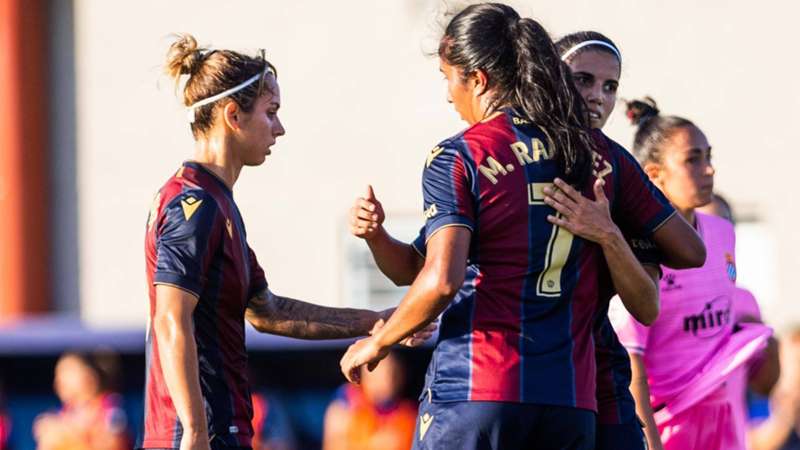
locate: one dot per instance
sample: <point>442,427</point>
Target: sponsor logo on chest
<point>712,319</point>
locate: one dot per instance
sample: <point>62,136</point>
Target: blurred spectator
<point>5,421</point>
<point>371,416</point>
<point>91,417</point>
<point>781,429</point>
<point>271,427</point>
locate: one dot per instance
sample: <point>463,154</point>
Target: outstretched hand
<point>577,214</point>
<point>364,351</point>
<point>416,339</point>
<point>366,215</point>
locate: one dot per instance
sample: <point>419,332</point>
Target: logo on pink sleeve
<point>730,267</point>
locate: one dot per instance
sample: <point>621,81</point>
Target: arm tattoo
<point>270,313</point>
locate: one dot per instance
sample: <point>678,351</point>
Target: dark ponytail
<point>653,129</point>
<point>639,111</point>
<point>526,73</point>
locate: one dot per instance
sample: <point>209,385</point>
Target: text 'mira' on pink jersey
<point>696,315</point>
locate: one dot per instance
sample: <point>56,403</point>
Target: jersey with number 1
<point>520,328</point>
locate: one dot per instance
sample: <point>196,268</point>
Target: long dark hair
<point>526,73</point>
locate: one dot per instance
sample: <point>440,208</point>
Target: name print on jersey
<point>711,320</point>
<point>527,155</point>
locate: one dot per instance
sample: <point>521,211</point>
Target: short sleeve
<point>745,306</point>
<point>644,249</point>
<point>638,202</point>
<point>446,190</point>
<point>188,233</point>
<point>258,281</point>
<point>632,334</point>
<point>418,244</point>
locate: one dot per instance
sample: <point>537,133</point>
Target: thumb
<point>599,192</point>
<point>378,325</point>
<point>370,193</point>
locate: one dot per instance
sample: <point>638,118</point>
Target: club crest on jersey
<point>229,227</point>
<point>190,205</point>
<point>730,267</point>
<point>433,154</point>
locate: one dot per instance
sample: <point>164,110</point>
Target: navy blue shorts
<point>626,436</point>
<point>503,425</point>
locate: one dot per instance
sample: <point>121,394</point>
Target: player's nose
<point>279,129</point>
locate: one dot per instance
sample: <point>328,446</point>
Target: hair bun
<point>640,111</point>
<point>183,56</point>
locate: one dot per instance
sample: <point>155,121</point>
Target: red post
<point>24,168</point>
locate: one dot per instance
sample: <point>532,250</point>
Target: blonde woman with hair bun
<point>204,279</point>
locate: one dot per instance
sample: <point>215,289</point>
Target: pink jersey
<point>745,309</point>
<point>692,350</point>
<point>695,316</point>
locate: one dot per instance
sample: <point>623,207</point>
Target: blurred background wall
<point>363,103</point>
<point>91,129</point>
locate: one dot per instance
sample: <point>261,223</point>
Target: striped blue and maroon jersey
<point>521,327</point>
<point>615,404</point>
<point>196,241</point>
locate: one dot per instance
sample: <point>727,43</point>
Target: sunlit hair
<point>212,71</point>
<point>525,73</point>
<point>572,45</point>
<point>653,130</point>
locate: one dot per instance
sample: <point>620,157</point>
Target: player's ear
<point>231,115</point>
<point>653,171</point>
<point>479,82</point>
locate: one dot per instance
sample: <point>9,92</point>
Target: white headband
<point>192,108</point>
<point>588,43</point>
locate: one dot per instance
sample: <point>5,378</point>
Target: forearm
<point>771,434</point>
<point>641,394</point>
<point>395,259</point>
<point>680,244</point>
<point>285,316</point>
<point>427,297</point>
<point>636,288</point>
<point>178,357</point>
<point>766,376</point>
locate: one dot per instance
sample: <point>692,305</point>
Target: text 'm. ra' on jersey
<point>520,328</point>
<point>196,241</point>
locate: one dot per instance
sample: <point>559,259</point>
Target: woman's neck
<point>491,116</point>
<point>215,154</point>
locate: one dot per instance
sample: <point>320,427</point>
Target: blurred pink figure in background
<point>91,417</point>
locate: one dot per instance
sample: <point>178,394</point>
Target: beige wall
<point>363,104</point>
